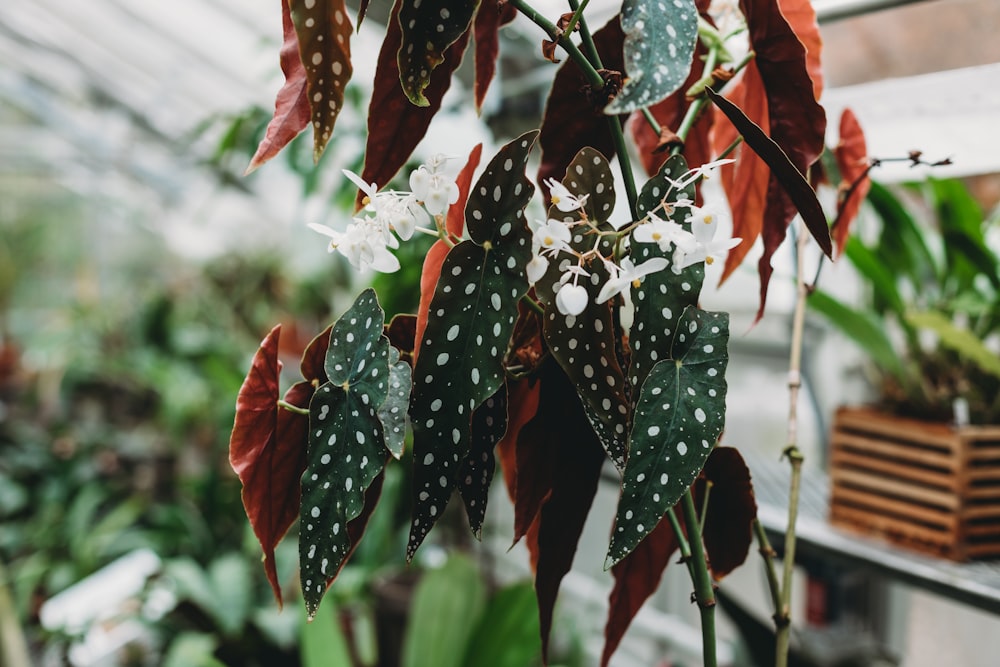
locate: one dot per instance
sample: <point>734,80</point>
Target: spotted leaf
<point>489,423</point>
<point>392,414</point>
<point>347,448</point>
<point>660,36</point>
<point>472,316</point>
<point>429,28</point>
<point>662,296</point>
<point>678,418</point>
<point>324,33</point>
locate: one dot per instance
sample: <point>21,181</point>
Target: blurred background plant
<point>929,315</point>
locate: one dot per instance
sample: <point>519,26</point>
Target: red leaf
<point>291,108</point>
<point>728,531</point>
<point>561,426</point>
<point>637,576</point>
<point>455,224</point>
<point>362,11</point>
<point>395,126</point>
<point>267,451</point>
<point>745,183</point>
<point>314,358</point>
<point>801,19</point>
<point>489,18</point>
<point>851,154</point>
<point>401,332</point>
<point>324,32</point>
<point>572,120</point>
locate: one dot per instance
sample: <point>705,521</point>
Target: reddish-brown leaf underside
<point>562,427</point>
<point>745,182</point>
<point>267,451</point>
<point>313,361</point>
<point>851,154</point>
<point>489,18</point>
<point>291,108</point>
<point>395,125</point>
<point>455,225</point>
<point>401,332</point>
<point>522,406</point>
<point>572,120</point>
<point>637,576</point>
<point>324,32</point>
<point>728,531</point>
<point>797,122</point>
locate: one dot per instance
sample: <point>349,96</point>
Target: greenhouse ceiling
<point>111,93</point>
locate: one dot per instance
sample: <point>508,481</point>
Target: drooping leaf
<point>961,341</point>
<point>562,427</point>
<point>523,397</point>
<point>267,452</point>
<point>782,169</point>
<point>659,47</point>
<point>885,292</point>
<point>291,108</point>
<point>455,225</point>
<point>507,634</point>
<point>866,331</point>
<point>728,520</point>
<point>395,126</point>
<point>443,615</point>
<point>574,115</point>
<point>637,576</point>
<point>427,32</point>
<point>474,308</point>
<point>851,153</point>
<point>489,18</point>
<point>801,17</point>
<point>745,184</point>
<point>392,414</point>
<point>347,448</point>
<point>324,35</point>
<point>489,423</point>
<point>322,642</point>
<point>678,418</point>
<point>314,358</point>
<point>661,299</point>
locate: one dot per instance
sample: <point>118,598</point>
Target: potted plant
<point>919,467</point>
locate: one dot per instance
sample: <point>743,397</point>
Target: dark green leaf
<point>866,331</point>
<point>507,633</point>
<point>660,37</point>
<point>489,424</point>
<point>429,28</point>
<point>679,416</point>
<point>392,414</point>
<point>471,319</point>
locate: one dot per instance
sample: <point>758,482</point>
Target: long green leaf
<point>865,330</point>
<point>878,275</point>
<point>473,310</point>
<point>679,416</point>
<point>429,28</point>
<point>322,641</point>
<point>507,634</point>
<point>962,341</point>
<point>660,36</point>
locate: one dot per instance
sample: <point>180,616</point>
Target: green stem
<point>704,589</point>
<point>13,646</point>
<point>534,305</point>
<point>557,35</point>
<point>767,554</point>
<point>292,408</point>
<point>585,35</point>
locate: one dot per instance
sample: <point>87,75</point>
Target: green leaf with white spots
<point>471,320</point>
<point>428,28</point>
<point>662,296</point>
<point>660,37</point>
<point>392,414</point>
<point>489,424</point>
<point>324,33</point>
<point>346,450</point>
<point>679,416</point>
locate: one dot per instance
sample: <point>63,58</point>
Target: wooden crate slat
<point>883,486</point>
<point>874,504</point>
<point>854,461</point>
<point>926,540</point>
<point>870,421</point>
<point>894,450</point>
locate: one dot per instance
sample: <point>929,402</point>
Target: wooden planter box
<point>928,486</point>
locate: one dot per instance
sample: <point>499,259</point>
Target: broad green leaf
<point>347,448</point>
<point>324,32</point>
<point>865,330</point>
<point>660,37</point>
<point>322,641</point>
<point>429,28</point>
<point>679,416</point>
<point>878,275</point>
<point>489,424</point>
<point>507,633</point>
<point>901,246</point>
<point>392,414</point>
<point>446,607</point>
<point>471,319</point>
<point>662,296</point>
<point>962,341</point>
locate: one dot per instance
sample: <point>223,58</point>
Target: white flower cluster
<point>387,215</point>
<point>552,237</point>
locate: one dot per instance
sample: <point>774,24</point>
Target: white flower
<point>628,275</point>
<point>363,243</point>
<point>702,172</point>
<point>552,236</point>
<point>571,299</point>
<point>664,233</point>
<point>703,224</point>
<point>562,198</point>
<point>536,268</point>
<point>370,189</point>
<point>436,190</point>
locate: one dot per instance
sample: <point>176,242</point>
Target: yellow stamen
<point>367,200</point>
<point>549,240</point>
<point>555,199</point>
<point>709,260</point>
<point>708,219</point>
<point>656,236</point>
<point>636,282</point>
